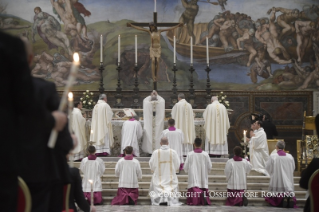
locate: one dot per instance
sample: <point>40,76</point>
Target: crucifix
<point>155,48</point>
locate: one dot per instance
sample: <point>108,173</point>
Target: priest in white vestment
<point>281,167</point>
<point>101,127</point>
<point>175,139</point>
<point>164,164</point>
<point>258,147</point>
<point>92,168</point>
<point>198,165</point>
<point>78,126</point>
<point>183,115</point>
<point>131,132</point>
<point>129,172</point>
<point>153,116</point>
<point>236,171</point>
<point>216,127</point>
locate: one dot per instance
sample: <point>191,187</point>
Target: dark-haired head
<point>171,122</point>
<point>198,142</point>
<point>238,150</point>
<point>128,150</point>
<point>91,150</point>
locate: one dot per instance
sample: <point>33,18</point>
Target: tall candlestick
<point>154,6</point>
<point>70,108</point>
<point>92,199</point>
<point>101,49</point>
<point>174,49</point>
<point>191,51</point>
<point>207,52</point>
<point>135,49</point>
<point>71,78</point>
<point>244,136</point>
<point>119,50</point>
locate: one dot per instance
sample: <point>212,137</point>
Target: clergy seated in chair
<point>93,168</point>
<point>236,170</point>
<point>164,164</point>
<point>198,165</point>
<point>131,133</point>
<point>129,171</point>
<point>216,127</point>
<point>258,146</point>
<point>281,168</point>
<point>175,139</point>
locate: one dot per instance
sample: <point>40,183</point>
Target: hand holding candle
<point>92,199</point>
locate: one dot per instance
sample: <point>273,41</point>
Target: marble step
<point>146,159</point>
<point>211,186</point>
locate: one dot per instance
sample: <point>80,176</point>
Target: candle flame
<point>244,131</point>
<point>91,181</point>
<point>70,95</point>
<point>119,35</point>
<point>91,131</point>
<point>76,57</point>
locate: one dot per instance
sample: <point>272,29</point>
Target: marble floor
<point>148,208</point>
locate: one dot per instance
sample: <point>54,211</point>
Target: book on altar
<point>129,112</point>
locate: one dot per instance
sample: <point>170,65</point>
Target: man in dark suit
<point>269,127</point>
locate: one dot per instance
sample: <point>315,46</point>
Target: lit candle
<point>174,50</point>
<point>70,95</point>
<point>101,49</point>
<point>135,49</point>
<point>207,52</point>
<point>244,136</point>
<point>91,136</point>
<point>92,199</point>
<point>154,6</point>
<point>119,50</point>
<point>71,78</point>
<point>191,51</point>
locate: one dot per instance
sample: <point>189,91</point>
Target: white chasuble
<point>216,127</point>
<point>164,164</point>
<point>236,173</point>
<point>259,152</point>
<point>78,126</point>
<point>102,136</point>
<point>281,170</point>
<point>153,116</point>
<point>131,134</point>
<point>183,114</point>
<point>128,171</point>
<point>175,141</point>
<point>92,170</point>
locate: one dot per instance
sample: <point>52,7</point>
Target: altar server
<point>182,113</point>
<point>175,139</point>
<point>93,168</point>
<point>101,129</point>
<point>164,164</point>
<point>236,170</point>
<point>129,171</point>
<point>281,168</point>
<point>259,152</point>
<point>198,165</point>
<point>216,127</point>
<point>78,126</point>
<point>131,132</point>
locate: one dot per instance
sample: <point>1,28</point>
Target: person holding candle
<point>216,127</point>
<point>93,168</point>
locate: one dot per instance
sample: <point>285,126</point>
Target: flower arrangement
<point>87,101</point>
<point>222,99</point>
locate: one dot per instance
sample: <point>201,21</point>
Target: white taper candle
<point>174,49</point>
<point>136,49</point>
<point>101,49</point>
<point>119,50</point>
<point>155,6</point>
<point>207,52</point>
<point>191,51</point>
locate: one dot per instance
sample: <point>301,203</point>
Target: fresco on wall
<point>253,45</point>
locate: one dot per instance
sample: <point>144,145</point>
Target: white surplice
<point>175,141</point>
<point>151,137</point>
<point>259,152</point>
<point>131,133</point>
<point>102,136</point>
<point>281,170</point>
<point>78,126</point>
<point>92,170</point>
<point>164,164</point>
<point>236,172</point>
<point>128,171</point>
<point>198,166</point>
<point>183,115</point>
<point>216,127</point>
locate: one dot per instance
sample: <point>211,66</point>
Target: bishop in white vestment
<point>131,133</point>
<point>164,164</point>
<point>216,127</point>
<point>198,165</point>
<point>183,115</point>
<point>236,171</point>
<point>129,172</point>
<point>258,147</point>
<point>102,136</point>
<point>78,126</point>
<point>281,167</point>
<point>175,139</point>
<point>153,116</point>
<point>92,168</point>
